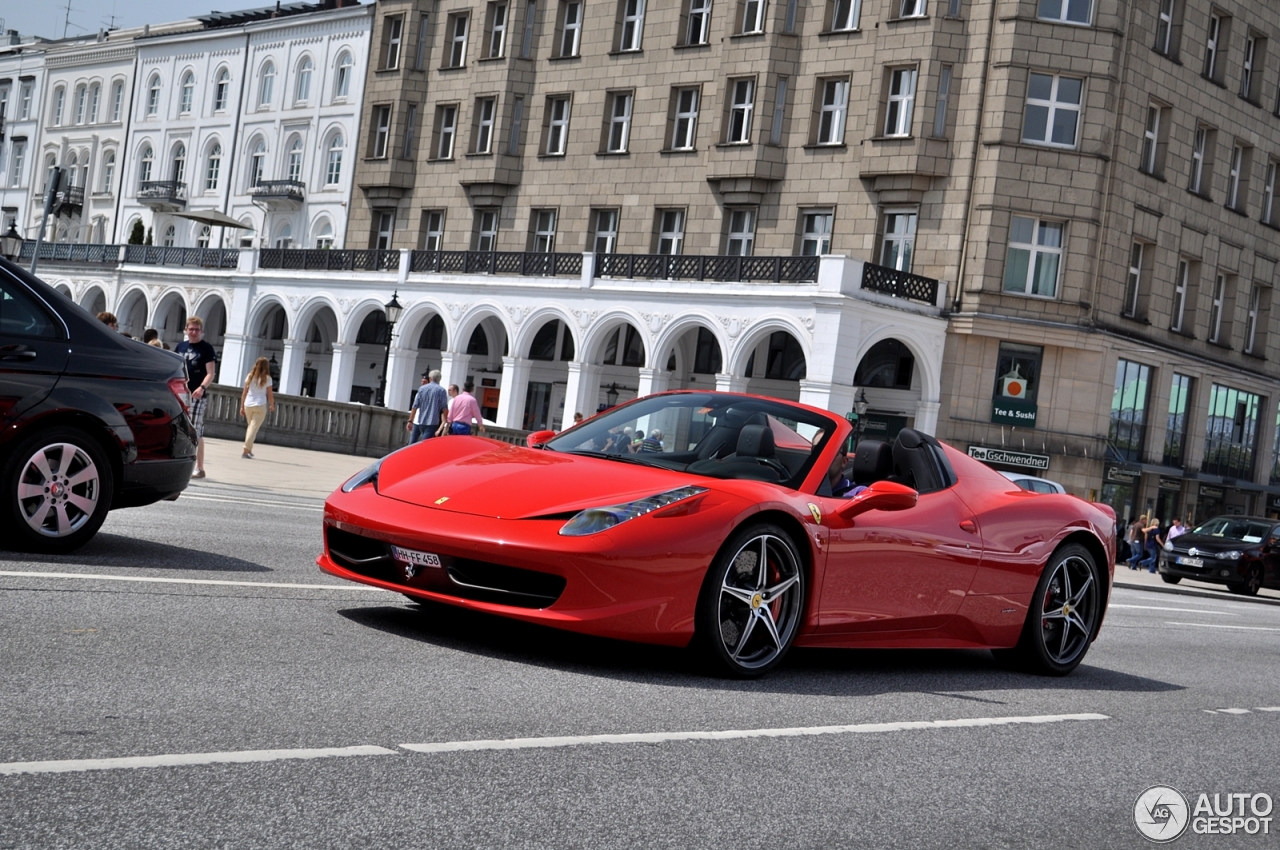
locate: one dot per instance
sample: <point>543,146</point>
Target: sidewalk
<point>1143,580</point>
<point>279,469</point>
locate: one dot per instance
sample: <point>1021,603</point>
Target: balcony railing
<point>328,259</point>
<point>694,267</point>
<point>205,258</point>
<point>71,252</point>
<point>279,192</point>
<point>898,284</point>
<point>68,200</point>
<point>524,263</point>
<point>163,193</point>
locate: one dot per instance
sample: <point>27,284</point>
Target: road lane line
<point>187,759</point>
<point>1268,708</point>
<point>665,737</point>
<point>319,509</point>
<point>158,580</point>
<point>1221,626</point>
<point>1185,610</point>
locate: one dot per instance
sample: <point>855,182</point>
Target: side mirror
<point>537,438</point>
<point>880,496</point>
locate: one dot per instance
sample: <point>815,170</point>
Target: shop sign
<point>1122,474</point>
<point>1170,483</point>
<point>882,426</point>
<point>987,455</point>
<point>1211,492</point>
<point>1013,411</point>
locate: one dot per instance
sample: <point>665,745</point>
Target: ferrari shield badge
<point>817,513</point>
<point>442,500</point>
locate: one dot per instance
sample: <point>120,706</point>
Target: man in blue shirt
<point>429,407</point>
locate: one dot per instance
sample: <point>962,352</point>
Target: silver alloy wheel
<point>759,601</point>
<point>1069,610</point>
<point>1253,580</point>
<point>58,489</point>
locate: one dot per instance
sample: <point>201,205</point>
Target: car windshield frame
<point>1241,528</point>
<point>801,434</point>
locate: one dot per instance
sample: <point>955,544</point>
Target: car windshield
<point>720,435</point>
<point>1234,528</point>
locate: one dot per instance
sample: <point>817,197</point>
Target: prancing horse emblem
<point>409,571</point>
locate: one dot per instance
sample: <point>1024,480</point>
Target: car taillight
<point>178,386</point>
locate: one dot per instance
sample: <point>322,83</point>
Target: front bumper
<point>1212,570</point>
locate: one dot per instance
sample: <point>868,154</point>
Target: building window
<point>1213,40</point>
<point>1129,411</point>
<point>446,130</point>
<point>1183,294</point>
<point>845,15</point>
<point>496,30</point>
<point>1218,306</point>
<point>1201,152</point>
<point>684,107</point>
<point>697,28</point>
<point>1269,195</point>
<point>82,103</point>
<point>392,34</point>
<point>202,241</point>
<point>517,119</point>
<point>1251,319</point>
<point>1175,433</point>
<point>752,16</point>
<point>742,97</point>
<point>618,129</point>
<point>266,81</point>
<point>410,131</point>
<point>457,40</point>
<point>1168,25</point>
<point>1231,432</point>
<point>145,164</point>
<point>1238,178</point>
<point>706,357</point>
<point>384,229</point>
<point>944,101</point>
<point>569,31</point>
<point>832,111</point>
<point>912,9</point>
<point>1249,78</point>
<point>741,236</point>
<point>25,94</point>
<point>556,129</point>
<point>333,163</point>
<point>815,232</point>
<point>542,231</point>
<point>901,100</point>
<point>381,131</point>
<point>670,231</point>
<point>1154,140</point>
<point>16,162</point>
<point>1035,253</point>
<point>108,172</point>
<point>212,167</point>
<point>187,93</point>
<point>342,79</point>
<point>1133,291</point>
<point>178,168</point>
<point>432,231</point>
<point>631,29</point>
<point>293,162</point>
<point>779,111</point>
<point>482,129</point>
<point>220,90</point>
<point>1017,384</point>
<point>604,231</point>
<point>486,232</point>
<point>170,236</point>
<point>1053,110</point>
<point>153,101</point>
<point>302,89</point>
<point>95,95</point>
<point>899,239</point>
<point>1066,11</point>
<point>420,52</point>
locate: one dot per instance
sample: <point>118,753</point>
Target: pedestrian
<point>1177,529</point>
<point>1154,540</point>
<point>202,367</point>
<point>1132,534</point>
<point>150,334</point>
<point>157,344</point>
<point>577,417</point>
<point>256,399</point>
<point>653,442</point>
<point>446,423</point>
<point>464,410</point>
<point>429,407</point>
<point>109,319</point>
<point>1139,546</point>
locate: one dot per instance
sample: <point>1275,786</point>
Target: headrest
<point>755,441</point>
<point>873,462</point>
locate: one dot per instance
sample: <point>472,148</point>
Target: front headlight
<point>594,520</point>
<point>364,476</point>
<point>1233,555</point>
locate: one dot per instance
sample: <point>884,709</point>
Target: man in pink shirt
<point>463,410</point>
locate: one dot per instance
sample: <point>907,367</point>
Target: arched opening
<point>94,300</point>
<point>269,332</point>
<point>889,364</point>
<point>214,313</point>
<point>620,356</point>
<point>487,344</point>
<point>694,360</point>
<point>888,376</point>
<point>131,313</point>
<point>370,357</point>
<point>432,342</point>
<point>776,366</point>
<point>170,319</point>
<point>550,350</point>
<point>317,368</point>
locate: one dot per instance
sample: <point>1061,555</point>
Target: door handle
<point>16,352</point>
<point>969,526</point>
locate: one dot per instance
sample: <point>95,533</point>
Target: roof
<point>217,20</point>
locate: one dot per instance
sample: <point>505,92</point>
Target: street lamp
<point>11,244</point>
<point>858,416</point>
<point>611,394</point>
<point>393,310</point>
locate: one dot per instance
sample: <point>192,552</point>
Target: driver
<point>841,486</point>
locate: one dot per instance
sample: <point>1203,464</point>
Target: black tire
<point>1252,582</point>
<point>1063,616</point>
<point>1168,579</point>
<point>751,603</point>
<point>57,489</point>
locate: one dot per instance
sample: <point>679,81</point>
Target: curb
<point>1204,593</point>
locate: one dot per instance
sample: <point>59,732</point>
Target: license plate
<point>413,556</point>
<point>1191,562</point>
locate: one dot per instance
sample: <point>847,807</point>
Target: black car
<point>1242,552</point>
<point>90,420</point>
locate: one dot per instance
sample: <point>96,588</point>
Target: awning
<point>212,217</point>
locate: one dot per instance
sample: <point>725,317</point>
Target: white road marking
<point>1268,708</point>
<point>158,580</point>
<point>186,759</point>
<point>186,497</point>
<point>1234,711</point>
<point>1220,626</point>
<point>1186,610</point>
<point>664,737</point>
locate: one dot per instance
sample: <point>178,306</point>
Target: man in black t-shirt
<point>202,364</point>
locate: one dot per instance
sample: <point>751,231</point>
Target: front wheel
<point>1063,615</point>
<point>57,488</point>
<point>1168,579</point>
<point>1252,582</point>
<point>751,602</point>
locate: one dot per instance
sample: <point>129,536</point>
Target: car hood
<point>1209,544</point>
<point>474,475</point>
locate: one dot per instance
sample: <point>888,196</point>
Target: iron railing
<point>695,267</point>
<point>525,263</point>
<point>72,196</point>
<point>72,252</point>
<point>157,255</point>
<point>163,191</point>
<point>898,284</point>
<point>279,190</point>
<point>329,259</point>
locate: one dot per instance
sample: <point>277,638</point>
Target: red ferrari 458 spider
<point>709,517</point>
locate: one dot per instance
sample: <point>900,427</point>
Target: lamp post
<point>393,310</point>
<point>611,394</point>
<point>858,416</point>
<point>11,244</point>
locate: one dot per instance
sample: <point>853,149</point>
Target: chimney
<point>146,30</point>
<point>14,38</point>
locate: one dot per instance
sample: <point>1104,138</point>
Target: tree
<point>147,241</point>
<point>135,235</point>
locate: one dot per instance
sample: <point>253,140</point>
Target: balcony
<point>279,194</point>
<point>896,284</point>
<point>68,201</point>
<point>163,195</point>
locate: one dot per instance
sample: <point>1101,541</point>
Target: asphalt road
<point>264,704</point>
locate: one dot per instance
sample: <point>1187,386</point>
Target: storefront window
<point>1231,433</point>
<point>1175,435</point>
<point>1275,452</point>
<point>1129,411</point>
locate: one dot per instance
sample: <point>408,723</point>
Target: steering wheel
<point>776,465</point>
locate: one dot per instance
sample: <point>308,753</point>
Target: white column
<point>341,370</point>
<point>836,398</point>
<point>582,391</point>
<point>453,368</point>
<point>727,383</point>
<point>926,417</point>
<point>233,367</point>
<point>401,380</point>
<point>653,381</point>
<point>295,355</point>
<point>515,382</point>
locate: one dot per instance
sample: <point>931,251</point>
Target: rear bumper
<point>148,481</point>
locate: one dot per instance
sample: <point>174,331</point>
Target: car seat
<point>872,462</point>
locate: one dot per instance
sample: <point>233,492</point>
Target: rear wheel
<point>57,488</point>
<point>751,602</point>
<point>1252,582</point>
<point>1063,615</point>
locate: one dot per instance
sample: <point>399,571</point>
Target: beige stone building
<point>1092,180</point>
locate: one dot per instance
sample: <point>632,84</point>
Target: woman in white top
<point>255,399</point>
